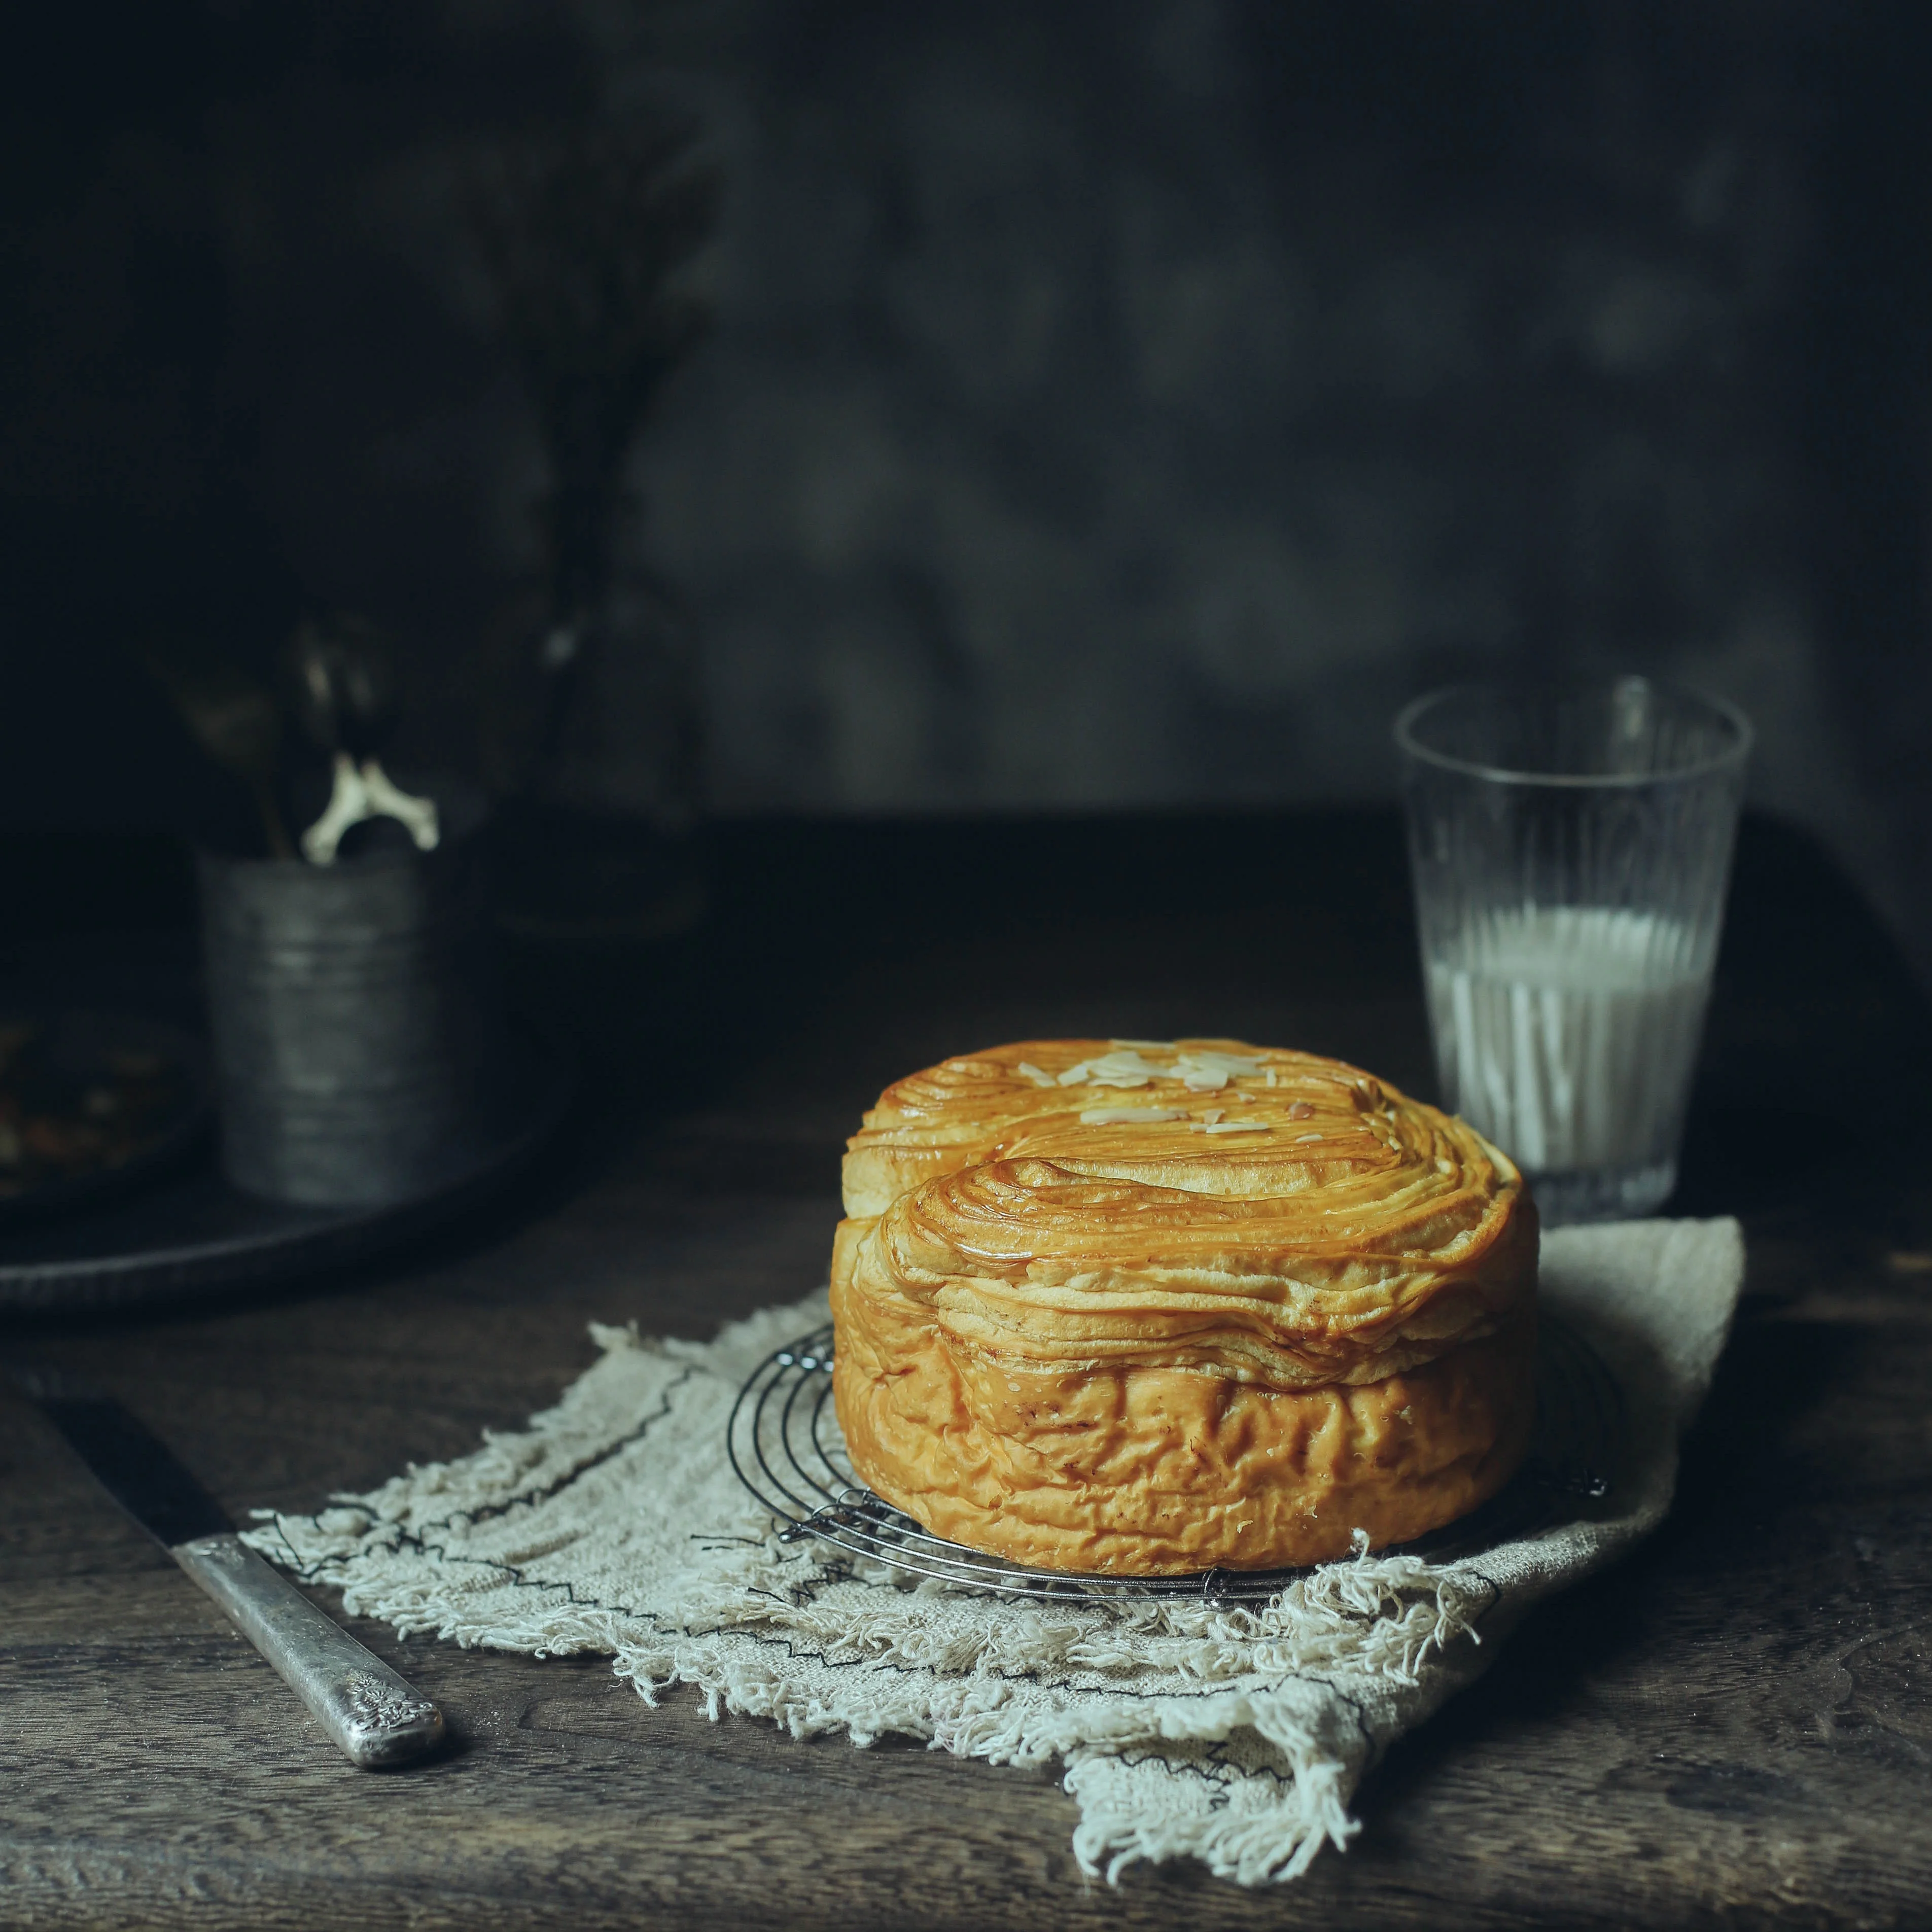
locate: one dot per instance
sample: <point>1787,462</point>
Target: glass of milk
<point>1570,847</point>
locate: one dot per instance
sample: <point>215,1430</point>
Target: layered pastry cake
<point>1147,1307</point>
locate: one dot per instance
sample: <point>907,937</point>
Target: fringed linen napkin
<point>613,1523</point>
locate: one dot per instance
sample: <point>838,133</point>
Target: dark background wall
<point>1109,401</point>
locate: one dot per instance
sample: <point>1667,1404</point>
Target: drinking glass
<point>1570,847</point>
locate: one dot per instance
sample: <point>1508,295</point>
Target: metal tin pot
<point>356,1010</point>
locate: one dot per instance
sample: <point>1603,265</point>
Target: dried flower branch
<point>583,235</point>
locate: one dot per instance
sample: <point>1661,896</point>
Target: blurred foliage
<point>583,233</point>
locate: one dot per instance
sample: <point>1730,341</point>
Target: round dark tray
<point>188,1230</point>
<point>80,1047</point>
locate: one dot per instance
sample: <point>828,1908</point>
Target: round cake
<point>1141,1308</point>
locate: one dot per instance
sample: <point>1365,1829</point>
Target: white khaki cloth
<point>613,1523</point>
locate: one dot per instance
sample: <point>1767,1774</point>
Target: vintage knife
<point>376,1717</point>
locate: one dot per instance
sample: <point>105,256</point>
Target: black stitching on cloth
<point>808,1654</point>
<point>545,1491</point>
<point>1494,1589</point>
<point>804,1592</point>
<point>1218,1772</point>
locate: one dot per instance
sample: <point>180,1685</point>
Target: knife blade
<point>377,1717</point>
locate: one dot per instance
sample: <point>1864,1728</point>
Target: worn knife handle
<point>377,1717</point>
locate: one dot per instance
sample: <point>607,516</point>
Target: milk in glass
<point>1567,1034</point>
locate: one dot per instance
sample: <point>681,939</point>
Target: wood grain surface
<point>1734,1728</point>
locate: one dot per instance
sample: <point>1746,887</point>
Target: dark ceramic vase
<point>356,1011</point>
<point>595,748</point>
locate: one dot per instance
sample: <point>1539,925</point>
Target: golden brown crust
<point>1147,1472</point>
<point>1156,1308</point>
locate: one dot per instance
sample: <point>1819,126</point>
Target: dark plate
<point>155,1075</point>
<point>190,1230</point>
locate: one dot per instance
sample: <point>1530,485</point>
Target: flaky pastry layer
<point>1140,1472</point>
<point>1266,1288</point>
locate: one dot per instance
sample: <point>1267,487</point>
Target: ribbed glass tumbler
<point>1571,847</point>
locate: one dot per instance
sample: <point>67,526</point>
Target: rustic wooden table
<point>1736,1725</point>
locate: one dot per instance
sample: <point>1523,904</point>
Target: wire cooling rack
<point>784,1443</point>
